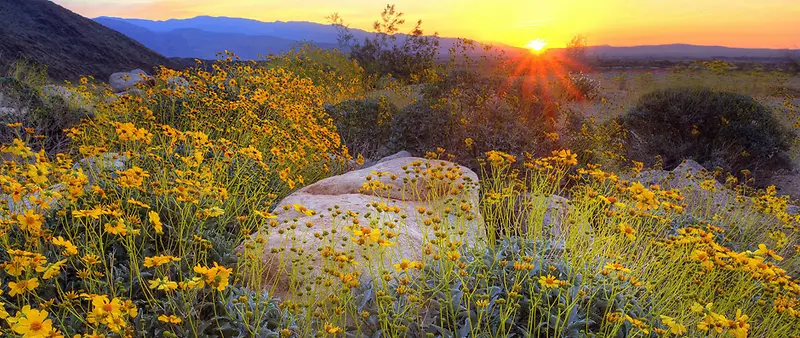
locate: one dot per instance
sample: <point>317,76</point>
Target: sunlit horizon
<point>736,23</point>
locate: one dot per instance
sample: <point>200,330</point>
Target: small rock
<point>178,81</point>
<point>70,98</point>
<point>123,81</point>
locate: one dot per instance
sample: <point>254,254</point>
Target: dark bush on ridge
<point>365,125</point>
<point>723,129</point>
<point>494,113</point>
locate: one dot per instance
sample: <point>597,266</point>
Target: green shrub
<point>496,295</point>
<point>714,128</point>
<point>495,114</point>
<point>411,58</point>
<point>492,112</point>
<point>594,141</point>
<point>365,126</point>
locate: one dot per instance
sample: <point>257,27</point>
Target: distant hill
<point>681,52</point>
<point>69,44</point>
<point>193,42</point>
<point>289,30</point>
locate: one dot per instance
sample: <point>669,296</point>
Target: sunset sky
<point>734,23</point>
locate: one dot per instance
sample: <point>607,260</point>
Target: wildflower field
<point>156,221</point>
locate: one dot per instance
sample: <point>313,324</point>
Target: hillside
<point>204,36</point>
<point>69,44</point>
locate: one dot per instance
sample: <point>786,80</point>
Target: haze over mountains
<point>204,41</point>
<point>204,36</point>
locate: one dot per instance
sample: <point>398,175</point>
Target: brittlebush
<point>136,232</point>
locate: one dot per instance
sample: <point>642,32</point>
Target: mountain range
<point>204,36</point>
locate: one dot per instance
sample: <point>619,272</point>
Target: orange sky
<point>734,23</point>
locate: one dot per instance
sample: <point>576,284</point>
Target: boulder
<point>178,81</point>
<point>123,81</point>
<point>552,210</point>
<point>399,154</point>
<point>359,222</point>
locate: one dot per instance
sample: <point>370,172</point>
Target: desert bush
<point>28,72</point>
<point>407,57</point>
<point>269,108</point>
<point>491,112</point>
<point>597,142</point>
<point>714,128</point>
<point>581,86</point>
<point>365,126</point>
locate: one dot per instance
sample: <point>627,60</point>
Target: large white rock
<point>123,81</point>
<point>411,205</point>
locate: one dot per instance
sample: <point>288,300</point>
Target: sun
<point>537,45</point>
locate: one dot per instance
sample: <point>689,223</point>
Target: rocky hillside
<point>69,44</point>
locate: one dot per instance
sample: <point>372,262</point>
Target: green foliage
<point>365,125</point>
<point>495,113</point>
<point>28,72</point>
<point>595,142</point>
<point>496,295</point>
<point>714,128</point>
